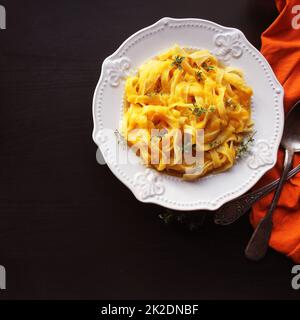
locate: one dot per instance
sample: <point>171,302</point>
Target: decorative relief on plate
<point>101,137</point>
<point>148,184</point>
<point>261,155</point>
<point>117,70</point>
<point>228,45</point>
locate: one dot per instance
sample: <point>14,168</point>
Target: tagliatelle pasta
<point>182,91</point>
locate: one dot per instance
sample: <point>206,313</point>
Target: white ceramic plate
<point>231,47</point>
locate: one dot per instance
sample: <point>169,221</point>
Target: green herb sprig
<point>206,67</point>
<point>193,222</point>
<point>198,111</point>
<point>244,146</point>
<point>177,62</point>
<point>214,144</point>
<point>198,75</point>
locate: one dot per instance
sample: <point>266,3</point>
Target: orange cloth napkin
<point>281,47</point>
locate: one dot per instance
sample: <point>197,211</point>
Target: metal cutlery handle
<point>258,244</point>
<point>233,210</point>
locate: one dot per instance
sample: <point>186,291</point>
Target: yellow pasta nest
<point>185,90</point>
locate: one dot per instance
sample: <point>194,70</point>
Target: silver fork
<point>233,210</point>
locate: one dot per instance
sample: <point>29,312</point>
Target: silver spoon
<point>259,242</point>
<point>233,210</point>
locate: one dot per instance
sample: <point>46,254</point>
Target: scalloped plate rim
<point>153,200</point>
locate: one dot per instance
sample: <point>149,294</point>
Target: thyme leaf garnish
<point>214,144</point>
<point>177,62</point>
<point>207,67</point>
<point>244,146</point>
<point>198,111</point>
<point>193,222</point>
<point>211,108</point>
<point>199,75</point>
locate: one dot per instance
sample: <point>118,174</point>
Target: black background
<point>68,227</point>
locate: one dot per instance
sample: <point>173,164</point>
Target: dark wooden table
<point>68,227</point>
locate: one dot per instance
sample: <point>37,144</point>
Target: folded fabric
<point>281,47</point>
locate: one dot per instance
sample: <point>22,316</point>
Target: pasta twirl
<point>185,90</point>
